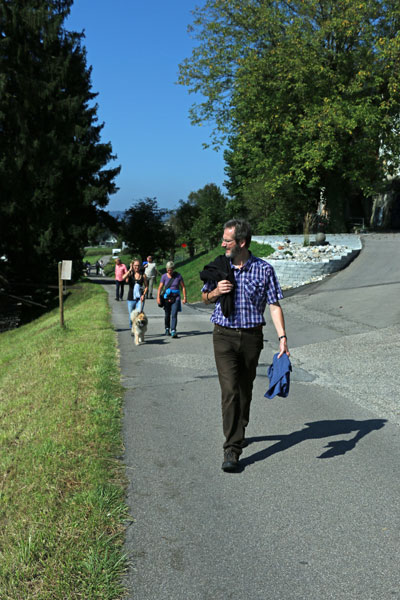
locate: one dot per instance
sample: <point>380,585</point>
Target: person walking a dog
<point>138,286</point>
<point>240,285</point>
<point>120,272</point>
<point>169,298</point>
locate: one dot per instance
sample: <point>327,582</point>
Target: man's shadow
<point>313,431</point>
<point>195,332</point>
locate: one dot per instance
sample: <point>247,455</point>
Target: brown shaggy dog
<point>139,326</point>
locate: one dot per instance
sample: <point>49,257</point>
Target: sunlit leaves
<point>307,93</point>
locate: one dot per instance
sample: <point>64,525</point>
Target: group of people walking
<point>140,279</point>
<point>240,286</point>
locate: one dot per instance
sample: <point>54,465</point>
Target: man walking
<point>120,271</point>
<point>151,273</point>
<point>240,285</point>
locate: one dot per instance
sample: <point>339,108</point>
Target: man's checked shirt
<point>256,285</point>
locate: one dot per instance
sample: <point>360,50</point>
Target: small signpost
<point>64,274</point>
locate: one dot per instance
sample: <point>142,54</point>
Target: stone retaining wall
<point>292,273</point>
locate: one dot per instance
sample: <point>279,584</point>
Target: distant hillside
<point>117,214</point>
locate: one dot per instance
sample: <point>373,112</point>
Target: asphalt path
<point>313,513</point>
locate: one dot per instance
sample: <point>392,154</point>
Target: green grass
<point>62,509</point>
<point>190,269</point>
<point>261,250</point>
<point>97,251</point>
<point>93,258</point>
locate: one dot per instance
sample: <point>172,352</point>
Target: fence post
<point>60,294</point>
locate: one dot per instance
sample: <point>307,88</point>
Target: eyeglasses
<point>223,241</point>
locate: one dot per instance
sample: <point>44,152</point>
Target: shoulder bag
<point>162,299</point>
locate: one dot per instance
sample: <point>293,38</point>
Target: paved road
<point>314,513</point>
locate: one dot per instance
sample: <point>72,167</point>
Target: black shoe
<point>117,299</point>
<point>231,461</point>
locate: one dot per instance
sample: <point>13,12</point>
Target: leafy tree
<point>305,92</point>
<point>211,206</point>
<point>146,231</point>
<point>182,221</point>
<point>52,174</point>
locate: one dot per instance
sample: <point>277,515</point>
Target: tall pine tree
<point>52,174</point>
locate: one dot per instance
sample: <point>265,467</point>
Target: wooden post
<point>60,294</point>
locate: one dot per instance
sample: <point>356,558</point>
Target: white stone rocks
<point>297,265</point>
<point>292,251</point>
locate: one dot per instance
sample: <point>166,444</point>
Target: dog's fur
<point>139,325</point>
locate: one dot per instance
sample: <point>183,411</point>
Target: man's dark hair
<point>242,230</point>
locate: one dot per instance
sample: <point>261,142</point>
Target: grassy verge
<point>97,251</point>
<point>61,485</point>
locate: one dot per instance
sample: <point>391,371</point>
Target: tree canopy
<point>198,221</point>
<point>52,175</point>
<point>145,229</point>
<point>211,206</point>
<point>182,221</point>
<point>305,94</point>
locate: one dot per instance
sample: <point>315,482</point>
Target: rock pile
<point>298,265</point>
<point>291,251</point>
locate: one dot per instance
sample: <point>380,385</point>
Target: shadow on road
<point>102,280</point>
<point>195,332</point>
<point>313,431</point>
<point>159,340</point>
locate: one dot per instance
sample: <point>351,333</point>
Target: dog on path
<point>139,325</point>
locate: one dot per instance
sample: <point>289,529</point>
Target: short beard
<point>235,251</point>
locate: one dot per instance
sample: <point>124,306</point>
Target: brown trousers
<point>236,354</point>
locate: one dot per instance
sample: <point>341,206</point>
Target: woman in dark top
<point>171,281</point>
<point>137,282</point>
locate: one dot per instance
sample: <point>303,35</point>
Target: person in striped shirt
<point>238,336</point>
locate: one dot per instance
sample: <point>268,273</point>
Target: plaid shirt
<point>256,285</point>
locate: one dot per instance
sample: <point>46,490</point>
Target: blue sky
<point>134,49</point>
